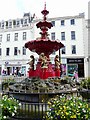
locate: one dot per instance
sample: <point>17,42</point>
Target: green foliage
<point>9,106</point>
<point>9,80</point>
<point>67,108</point>
<point>85,83</point>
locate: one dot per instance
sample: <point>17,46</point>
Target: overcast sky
<point>12,9</point>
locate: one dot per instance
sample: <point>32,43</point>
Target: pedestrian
<point>76,76</point>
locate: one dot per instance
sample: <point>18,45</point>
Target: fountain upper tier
<point>44,44</point>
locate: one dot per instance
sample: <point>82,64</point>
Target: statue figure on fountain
<point>57,62</point>
<point>43,59</point>
<point>31,62</point>
<point>44,66</point>
<point>57,66</point>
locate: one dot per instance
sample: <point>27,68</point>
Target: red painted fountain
<point>43,46</point>
<point>44,82</point>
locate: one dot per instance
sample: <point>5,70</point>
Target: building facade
<point>13,36</point>
<point>69,30</point>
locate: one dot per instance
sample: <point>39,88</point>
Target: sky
<point>13,9</point>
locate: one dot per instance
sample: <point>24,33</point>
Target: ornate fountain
<point>45,79</point>
<point>43,46</point>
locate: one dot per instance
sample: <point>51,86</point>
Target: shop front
<point>75,64</point>
<point>10,69</point>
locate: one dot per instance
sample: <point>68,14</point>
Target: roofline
<point>63,18</point>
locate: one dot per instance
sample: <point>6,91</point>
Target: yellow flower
<point>73,116</point>
<point>49,103</point>
<point>67,113</point>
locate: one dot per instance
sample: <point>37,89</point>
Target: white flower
<point>4,117</point>
<point>1,105</point>
<point>13,114</point>
<point>19,104</point>
<point>15,111</point>
<point>15,107</point>
<point>9,108</point>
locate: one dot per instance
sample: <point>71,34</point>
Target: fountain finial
<point>45,6</point>
<point>44,25</point>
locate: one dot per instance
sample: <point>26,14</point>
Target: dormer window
<point>14,22</point>
<point>10,24</point>
<point>2,25</point>
<point>18,23</point>
<point>25,21</point>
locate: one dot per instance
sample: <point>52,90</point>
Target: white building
<point>70,30</point>
<point>13,36</point>
<point>87,44</point>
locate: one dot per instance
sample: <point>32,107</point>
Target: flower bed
<point>68,108</point>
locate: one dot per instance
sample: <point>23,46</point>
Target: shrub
<point>85,83</point>
<point>9,106</point>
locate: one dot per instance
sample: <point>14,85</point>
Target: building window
<point>15,50</point>
<point>2,25</point>
<point>53,23</point>
<point>16,37</point>
<point>0,51</point>
<point>72,21</point>
<point>73,49</point>
<point>54,52</point>
<point>24,35</point>
<point>7,51</point>
<point>10,24</point>
<point>63,50</point>
<point>8,37</point>
<point>73,35</point>
<point>25,21</point>
<point>24,51</point>
<point>53,36</point>
<point>62,35</point>
<point>0,38</point>
<point>22,21</point>
<point>18,23</point>
<point>62,22</point>
<point>14,22</point>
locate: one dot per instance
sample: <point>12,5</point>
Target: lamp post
<point>60,62</point>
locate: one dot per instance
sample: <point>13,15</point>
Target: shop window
<point>63,69</point>
<point>71,68</point>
